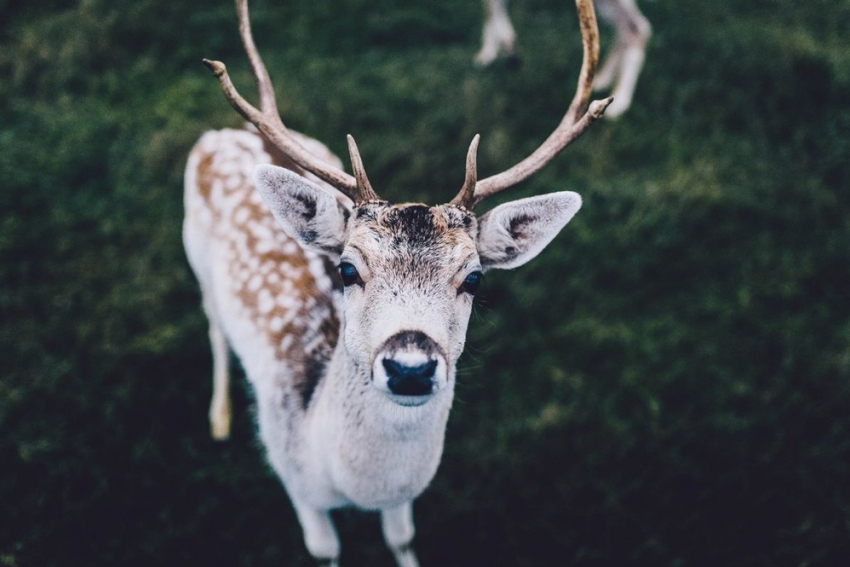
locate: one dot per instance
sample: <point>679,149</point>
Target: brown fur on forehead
<point>413,239</point>
<point>417,224</point>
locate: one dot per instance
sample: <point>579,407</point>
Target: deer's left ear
<point>306,211</point>
<point>512,234</point>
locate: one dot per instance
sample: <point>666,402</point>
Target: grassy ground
<point>668,384</point>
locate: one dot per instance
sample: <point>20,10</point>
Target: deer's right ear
<point>307,212</point>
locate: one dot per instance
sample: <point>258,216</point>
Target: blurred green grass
<point>668,384</point>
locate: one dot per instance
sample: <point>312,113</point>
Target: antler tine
<point>590,57</point>
<point>571,126</point>
<point>268,120</point>
<point>467,193</point>
<point>364,188</point>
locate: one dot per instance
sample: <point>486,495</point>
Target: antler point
<point>217,67</point>
<point>597,107</point>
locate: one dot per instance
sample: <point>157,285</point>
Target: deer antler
<point>570,128</point>
<point>268,121</point>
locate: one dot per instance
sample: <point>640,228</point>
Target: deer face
<point>410,272</point>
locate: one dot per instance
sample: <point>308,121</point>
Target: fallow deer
<point>349,313</point>
<point>624,61</point>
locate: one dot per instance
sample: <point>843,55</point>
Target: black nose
<point>410,380</point>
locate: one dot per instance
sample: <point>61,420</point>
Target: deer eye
<point>472,283</point>
<point>349,274</point>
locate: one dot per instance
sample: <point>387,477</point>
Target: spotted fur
<point>266,287</point>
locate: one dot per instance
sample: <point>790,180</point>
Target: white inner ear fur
<point>513,233</point>
<point>307,212</point>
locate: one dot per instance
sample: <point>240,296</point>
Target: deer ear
<point>307,212</point>
<point>512,234</point>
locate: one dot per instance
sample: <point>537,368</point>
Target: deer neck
<point>347,391</point>
<point>376,451</point>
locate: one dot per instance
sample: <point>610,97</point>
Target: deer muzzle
<point>410,367</point>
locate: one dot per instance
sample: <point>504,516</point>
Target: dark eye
<point>472,282</point>
<point>349,274</point>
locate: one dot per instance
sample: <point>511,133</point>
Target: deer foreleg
<point>320,535</point>
<point>624,62</point>
<point>397,524</point>
<point>606,75</point>
<point>499,36</point>
<point>631,63</point>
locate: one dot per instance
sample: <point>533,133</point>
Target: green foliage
<point>668,384</point>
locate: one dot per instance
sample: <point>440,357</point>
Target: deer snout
<point>410,364</point>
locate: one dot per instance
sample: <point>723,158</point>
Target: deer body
<point>349,313</point>
<point>272,301</point>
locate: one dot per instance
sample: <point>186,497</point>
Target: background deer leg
<point>319,534</point>
<point>630,65</point>
<point>623,64</point>
<point>499,36</point>
<point>605,77</point>
<point>220,404</point>
<point>397,524</point>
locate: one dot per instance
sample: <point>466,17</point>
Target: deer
<point>622,66</point>
<point>348,312</point>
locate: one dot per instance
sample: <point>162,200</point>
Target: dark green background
<point>667,384</point>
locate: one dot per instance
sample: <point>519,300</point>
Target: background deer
<point>347,312</point>
<point>622,66</point>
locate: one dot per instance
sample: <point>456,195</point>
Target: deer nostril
<point>407,380</point>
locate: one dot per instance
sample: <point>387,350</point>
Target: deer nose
<point>404,380</point>
<point>410,364</point>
